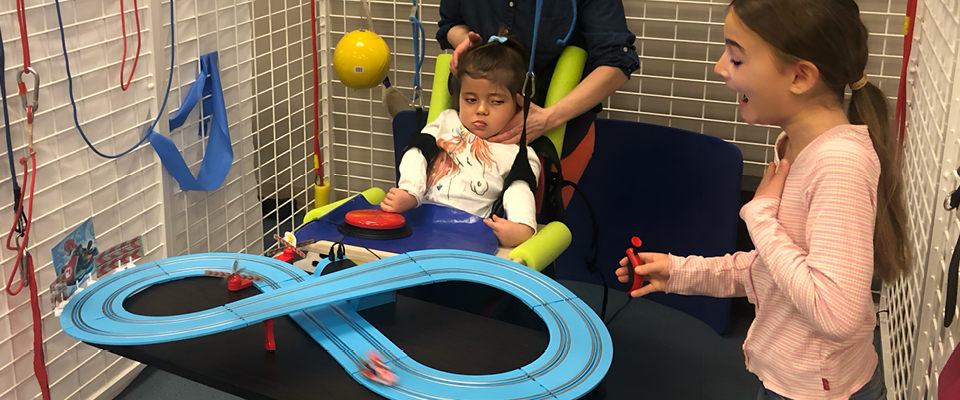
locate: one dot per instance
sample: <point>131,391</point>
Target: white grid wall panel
<point>362,142</point>
<point>678,43</point>
<point>227,219</point>
<point>919,345</point>
<point>284,107</point>
<point>123,196</point>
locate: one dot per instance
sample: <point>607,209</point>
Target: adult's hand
<point>538,123</point>
<point>473,39</point>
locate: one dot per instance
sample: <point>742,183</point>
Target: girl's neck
<point>807,125</point>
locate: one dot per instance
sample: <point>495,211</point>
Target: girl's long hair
<point>830,34</point>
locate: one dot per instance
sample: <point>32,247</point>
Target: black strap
<point>953,270</point>
<point>425,142</point>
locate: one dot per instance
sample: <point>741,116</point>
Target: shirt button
<point>625,50</point>
<point>511,4</point>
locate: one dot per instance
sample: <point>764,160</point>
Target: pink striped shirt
<point>809,277</point>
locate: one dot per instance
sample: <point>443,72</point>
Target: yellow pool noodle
<point>440,95</point>
<point>544,247</point>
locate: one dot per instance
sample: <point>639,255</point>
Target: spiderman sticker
<point>74,260</point>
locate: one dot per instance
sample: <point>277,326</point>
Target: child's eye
<point>497,101</point>
<point>470,101</point>
<point>736,63</point>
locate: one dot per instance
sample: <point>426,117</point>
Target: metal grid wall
<point>229,218</point>
<point>678,43</point>
<point>918,343</point>
<point>284,114</point>
<point>362,142</point>
<point>129,196</point>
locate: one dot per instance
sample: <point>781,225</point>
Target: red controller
<point>636,280</point>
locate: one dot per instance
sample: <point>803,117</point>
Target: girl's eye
<point>497,101</point>
<point>470,101</point>
<point>736,63</point>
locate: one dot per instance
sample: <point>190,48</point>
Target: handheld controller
<point>636,280</point>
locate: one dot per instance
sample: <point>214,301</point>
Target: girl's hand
<point>773,179</point>
<point>655,269</point>
<point>473,39</point>
<point>398,201</point>
<point>537,125</point>
<point>509,233</point>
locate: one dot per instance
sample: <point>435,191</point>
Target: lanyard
<point>123,59</point>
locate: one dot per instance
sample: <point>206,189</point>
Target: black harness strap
<point>951,203</point>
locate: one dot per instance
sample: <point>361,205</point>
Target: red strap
<point>123,59</point>
<point>22,19</point>
<point>900,115</point>
<point>318,168</point>
<point>39,363</point>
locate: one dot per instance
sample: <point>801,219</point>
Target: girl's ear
<point>519,99</point>
<point>805,76</point>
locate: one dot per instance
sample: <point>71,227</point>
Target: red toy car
<point>375,370</point>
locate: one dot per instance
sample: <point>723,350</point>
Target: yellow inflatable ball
<point>361,59</point>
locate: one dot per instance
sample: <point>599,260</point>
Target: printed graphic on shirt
<point>465,154</point>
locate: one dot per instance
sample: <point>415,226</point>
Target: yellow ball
<point>361,59</point>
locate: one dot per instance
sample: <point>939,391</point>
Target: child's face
<point>485,107</point>
<point>750,66</point>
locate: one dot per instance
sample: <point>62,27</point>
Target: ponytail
<point>891,243</point>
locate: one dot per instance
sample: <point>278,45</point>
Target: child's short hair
<point>503,63</point>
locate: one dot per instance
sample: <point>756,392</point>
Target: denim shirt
<point>601,30</point>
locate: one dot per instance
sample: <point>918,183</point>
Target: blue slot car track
<point>576,359</point>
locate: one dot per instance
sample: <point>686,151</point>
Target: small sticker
<point>358,70</point>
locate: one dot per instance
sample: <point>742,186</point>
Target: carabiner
<point>416,100</point>
<point>531,80</point>
<point>36,88</point>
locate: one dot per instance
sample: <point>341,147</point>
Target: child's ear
<point>805,76</point>
<point>519,101</point>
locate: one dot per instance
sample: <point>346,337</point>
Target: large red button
<point>375,219</point>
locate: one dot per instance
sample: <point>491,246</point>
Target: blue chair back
<point>678,191</point>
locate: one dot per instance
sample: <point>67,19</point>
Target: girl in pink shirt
<point>828,215</point>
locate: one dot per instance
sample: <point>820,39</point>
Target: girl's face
<point>485,107</point>
<point>750,66</point>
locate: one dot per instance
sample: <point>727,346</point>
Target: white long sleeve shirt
<point>810,274</point>
<point>468,173</point>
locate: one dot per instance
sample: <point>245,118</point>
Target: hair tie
<point>495,38</point>
<point>859,84</point>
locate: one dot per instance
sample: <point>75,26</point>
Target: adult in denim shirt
<point>600,29</point>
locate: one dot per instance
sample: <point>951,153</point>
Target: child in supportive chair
<point>469,172</point>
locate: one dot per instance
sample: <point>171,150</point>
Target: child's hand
<point>398,201</point>
<point>510,234</point>
<point>655,269</point>
<point>773,179</point>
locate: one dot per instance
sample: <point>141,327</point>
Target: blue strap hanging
<point>219,155</point>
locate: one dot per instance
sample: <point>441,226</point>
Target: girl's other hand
<point>773,179</point>
<point>398,201</point>
<point>655,269</point>
<point>473,39</point>
<point>509,233</point>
